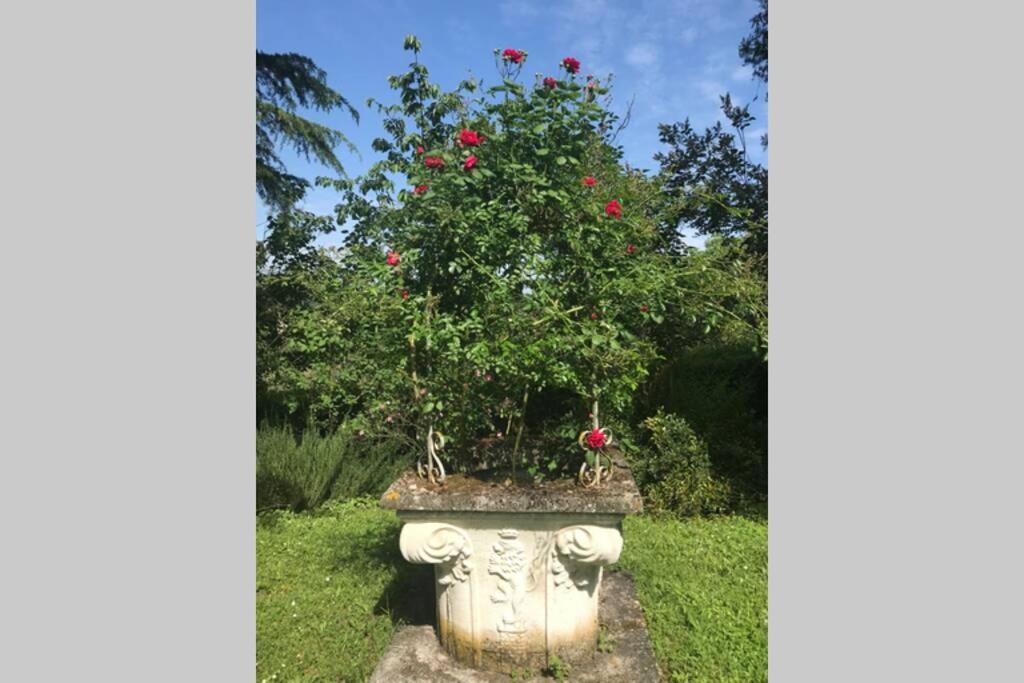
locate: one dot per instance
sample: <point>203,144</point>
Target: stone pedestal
<point>517,568</point>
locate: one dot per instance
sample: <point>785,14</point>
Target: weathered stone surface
<point>494,492</point>
<point>512,588</point>
<point>517,566</point>
<point>416,656</point>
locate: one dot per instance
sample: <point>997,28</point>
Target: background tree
<point>285,82</point>
<point>716,381</point>
<point>720,191</point>
<point>754,48</point>
<point>300,304</point>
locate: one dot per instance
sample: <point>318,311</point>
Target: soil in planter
<point>496,489</point>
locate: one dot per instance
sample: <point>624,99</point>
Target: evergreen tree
<point>285,82</point>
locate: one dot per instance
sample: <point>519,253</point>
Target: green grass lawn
<point>330,588</point>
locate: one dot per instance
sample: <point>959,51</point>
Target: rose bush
<point>531,274</point>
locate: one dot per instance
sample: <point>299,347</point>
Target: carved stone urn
<point>517,568</point>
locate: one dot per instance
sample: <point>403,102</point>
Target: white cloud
<point>641,55</point>
<point>711,90</point>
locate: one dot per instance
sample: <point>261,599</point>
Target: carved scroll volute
<point>434,543</point>
<point>586,544</point>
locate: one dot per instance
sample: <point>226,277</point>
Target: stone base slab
<point>416,656</point>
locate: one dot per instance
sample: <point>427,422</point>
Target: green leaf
<point>560,161</point>
<point>539,128</point>
<point>543,152</point>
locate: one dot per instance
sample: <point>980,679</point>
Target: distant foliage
<point>721,191</point>
<point>301,471</point>
<point>754,48</point>
<point>674,472</point>
<point>721,389</point>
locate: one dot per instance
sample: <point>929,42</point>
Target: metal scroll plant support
<point>430,466</point>
<point>597,465</point>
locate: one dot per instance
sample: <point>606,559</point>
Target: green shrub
<point>674,471</point>
<point>722,392</point>
<point>301,471</point>
<point>504,255</point>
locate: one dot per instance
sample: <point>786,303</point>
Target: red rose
<point>571,64</point>
<point>550,82</point>
<point>591,84</point>
<point>613,209</point>
<point>643,308</point>
<point>405,294</point>
<point>590,181</point>
<point>470,163</point>
<point>420,189</point>
<point>419,150</point>
<point>630,248</point>
<point>469,137</point>
<point>596,439</point>
<point>434,162</point>
<point>393,258</point>
<point>514,56</point>
<point>593,316</point>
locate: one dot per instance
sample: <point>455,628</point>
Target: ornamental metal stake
<point>433,468</point>
<point>593,476</point>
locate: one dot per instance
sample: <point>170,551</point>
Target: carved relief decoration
<point>442,544</point>
<point>508,563</point>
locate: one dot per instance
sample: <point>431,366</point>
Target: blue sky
<point>675,56</point>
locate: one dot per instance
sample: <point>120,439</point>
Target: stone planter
<point>517,568</point>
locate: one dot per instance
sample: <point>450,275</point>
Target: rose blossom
<point>613,209</point>
<point>405,294</point>
<point>393,258</point>
<point>630,248</point>
<point>643,308</point>
<point>513,55</point>
<point>433,162</point>
<point>470,163</point>
<point>550,82</point>
<point>420,189</point>
<point>590,181</point>
<point>419,150</point>
<point>596,439</point>
<point>469,137</point>
<point>571,64</point>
